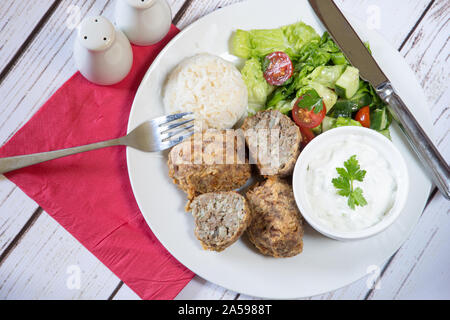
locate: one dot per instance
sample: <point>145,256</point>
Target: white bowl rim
<point>394,157</point>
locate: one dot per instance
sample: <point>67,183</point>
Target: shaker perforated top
<point>96,33</point>
<point>141,4</point>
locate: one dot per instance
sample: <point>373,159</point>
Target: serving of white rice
<point>210,87</point>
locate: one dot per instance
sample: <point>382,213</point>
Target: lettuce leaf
<point>327,44</point>
<point>343,122</point>
<point>257,87</point>
<point>299,34</point>
<point>260,42</point>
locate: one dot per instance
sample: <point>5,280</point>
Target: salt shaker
<point>102,53</point>
<point>145,22</point>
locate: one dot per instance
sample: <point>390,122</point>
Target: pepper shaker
<point>144,22</point>
<point>102,53</point>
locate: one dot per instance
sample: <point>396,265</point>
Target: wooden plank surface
<point>18,20</point>
<point>46,62</point>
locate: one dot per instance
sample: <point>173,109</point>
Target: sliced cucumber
<point>362,99</point>
<point>326,75</point>
<point>379,119</point>
<point>329,96</point>
<point>343,108</point>
<point>328,123</point>
<point>348,83</point>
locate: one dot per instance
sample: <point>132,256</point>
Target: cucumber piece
<point>328,123</point>
<point>343,108</point>
<point>379,119</point>
<point>348,83</point>
<point>326,75</point>
<point>338,58</point>
<point>329,96</point>
<point>362,99</point>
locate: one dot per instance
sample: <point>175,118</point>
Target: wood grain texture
<point>200,289</point>
<point>125,293</point>
<point>45,263</point>
<point>46,64</point>
<point>18,19</point>
<point>427,52</point>
<point>15,210</point>
<point>420,269</point>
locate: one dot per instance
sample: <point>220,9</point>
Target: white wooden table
<point>40,260</point>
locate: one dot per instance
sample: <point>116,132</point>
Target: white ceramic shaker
<point>102,53</point>
<point>145,22</point>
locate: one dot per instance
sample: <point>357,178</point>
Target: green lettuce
<point>311,55</point>
<point>297,35</point>
<point>257,87</point>
<point>260,42</point>
<point>343,122</point>
<point>327,44</point>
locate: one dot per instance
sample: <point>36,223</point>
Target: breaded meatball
<point>220,218</point>
<point>276,228</point>
<point>209,162</point>
<point>281,136</point>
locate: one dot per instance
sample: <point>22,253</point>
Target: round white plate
<point>325,264</point>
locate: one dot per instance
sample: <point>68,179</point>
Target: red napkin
<point>89,194</point>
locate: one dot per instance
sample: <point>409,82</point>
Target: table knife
<point>356,52</point>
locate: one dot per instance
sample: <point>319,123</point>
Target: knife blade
<point>348,41</point>
<point>356,52</point>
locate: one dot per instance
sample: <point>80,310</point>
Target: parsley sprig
<point>311,100</point>
<point>344,183</point>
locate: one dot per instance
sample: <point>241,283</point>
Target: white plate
<point>325,264</point>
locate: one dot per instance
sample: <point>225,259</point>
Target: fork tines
<point>174,128</point>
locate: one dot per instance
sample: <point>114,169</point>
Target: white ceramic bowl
<point>375,140</point>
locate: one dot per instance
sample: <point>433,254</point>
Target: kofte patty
<point>209,163</point>
<point>220,218</point>
<point>276,228</point>
<point>274,141</point>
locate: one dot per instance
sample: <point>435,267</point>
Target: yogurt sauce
<point>379,186</point>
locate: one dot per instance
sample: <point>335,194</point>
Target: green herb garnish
<point>344,183</point>
<point>311,100</point>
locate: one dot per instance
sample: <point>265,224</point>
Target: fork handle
<point>17,162</point>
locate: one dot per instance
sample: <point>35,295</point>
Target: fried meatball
<point>220,218</point>
<point>283,146</point>
<point>276,228</point>
<point>209,162</point>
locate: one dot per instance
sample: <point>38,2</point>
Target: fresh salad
<point>298,72</point>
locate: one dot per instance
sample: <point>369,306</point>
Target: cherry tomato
<point>279,68</point>
<point>307,136</point>
<point>305,118</point>
<point>363,116</point>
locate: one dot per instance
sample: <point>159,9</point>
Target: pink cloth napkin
<point>89,194</point>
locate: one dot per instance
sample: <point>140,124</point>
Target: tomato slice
<point>363,116</point>
<point>307,136</point>
<point>305,118</point>
<point>279,68</point>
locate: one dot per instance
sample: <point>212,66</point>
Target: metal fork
<point>154,135</point>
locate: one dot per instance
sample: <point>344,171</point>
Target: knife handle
<point>420,142</point>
